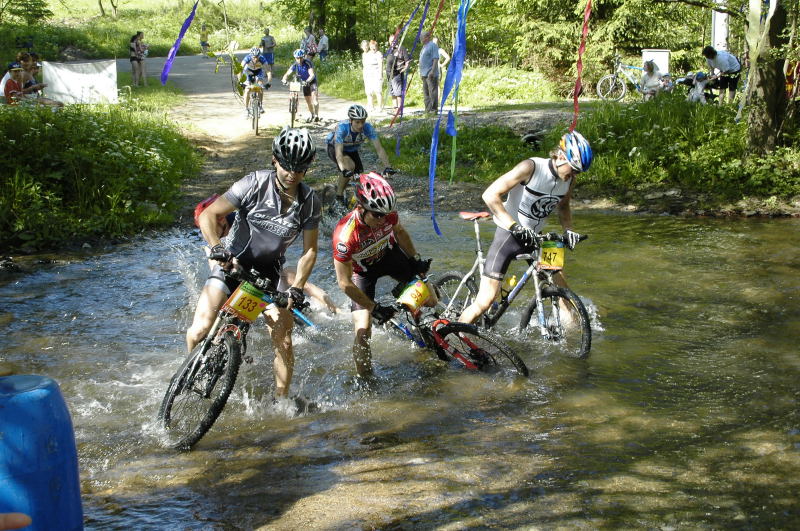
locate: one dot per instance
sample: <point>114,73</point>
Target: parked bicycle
<point>198,391</point>
<point>460,343</point>
<point>557,312</point>
<point>614,86</point>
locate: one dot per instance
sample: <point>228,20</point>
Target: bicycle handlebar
<point>555,237</point>
<point>262,283</point>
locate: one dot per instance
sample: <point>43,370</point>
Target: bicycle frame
<point>625,71</point>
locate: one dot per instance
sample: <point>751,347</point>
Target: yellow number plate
<point>552,255</point>
<point>246,302</point>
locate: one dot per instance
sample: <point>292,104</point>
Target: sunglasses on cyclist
<point>379,215</point>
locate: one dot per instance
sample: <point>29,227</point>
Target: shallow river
<point>685,415</point>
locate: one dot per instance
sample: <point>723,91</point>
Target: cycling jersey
<point>355,240</point>
<point>529,203</point>
<point>350,139</point>
<point>253,63</point>
<point>260,234</point>
<point>302,69</point>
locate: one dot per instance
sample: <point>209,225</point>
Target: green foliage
<point>31,12</point>
<point>668,142</point>
<point>87,170</point>
<point>477,150</point>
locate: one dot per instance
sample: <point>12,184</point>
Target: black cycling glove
<point>421,266</point>
<point>525,237</point>
<point>297,296</point>
<point>383,312</point>
<point>220,254</point>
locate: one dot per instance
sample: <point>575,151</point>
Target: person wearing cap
<point>13,89</point>
<point>534,188</point>
<point>23,58</point>
<point>273,208</point>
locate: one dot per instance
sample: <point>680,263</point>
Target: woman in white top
<point>651,80</point>
<point>373,76</point>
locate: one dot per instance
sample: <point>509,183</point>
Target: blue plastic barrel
<point>38,459</point>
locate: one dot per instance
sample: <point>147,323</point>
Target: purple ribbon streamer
<point>453,79</point>
<point>174,50</point>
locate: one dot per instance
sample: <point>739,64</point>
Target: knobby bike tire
<point>185,412</point>
<point>256,112</point>
<point>483,348</point>
<point>571,334</point>
<point>446,285</point>
<point>292,109</point>
<point>611,88</point>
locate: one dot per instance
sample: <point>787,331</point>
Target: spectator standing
<point>429,72</point>
<point>364,49</point>
<point>268,52</point>
<point>726,68</point>
<point>444,57</point>
<point>397,62</point>
<point>204,40</point>
<point>373,76</point>
<point>322,45</point>
<point>309,44</point>
<point>138,52</point>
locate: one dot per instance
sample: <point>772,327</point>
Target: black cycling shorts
<point>394,263</point>
<point>354,156</point>
<point>503,250</point>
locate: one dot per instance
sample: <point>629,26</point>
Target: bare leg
<point>211,298</point>
<point>362,356</point>
<point>487,293</point>
<point>280,323</point>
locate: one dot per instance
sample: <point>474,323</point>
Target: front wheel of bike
<point>292,109</point>
<point>611,88</point>
<point>446,286</point>
<point>481,350</point>
<point>199,390</point>
<point>566,321</point>
<point>255,110</point>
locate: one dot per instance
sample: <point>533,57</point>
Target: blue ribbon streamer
<point>451,82</point>
<point>174,50</point>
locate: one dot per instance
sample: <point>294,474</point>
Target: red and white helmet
<point>374,193</point>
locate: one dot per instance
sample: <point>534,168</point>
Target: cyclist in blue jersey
<point>273,208</point>
<point>303,70</point>
<point>344,143</point>
<point>252,68</point>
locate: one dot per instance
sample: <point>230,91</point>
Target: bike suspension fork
<point>537,288</point>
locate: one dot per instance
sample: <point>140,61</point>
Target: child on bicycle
<point>534,188</point>
<point>369,243</point>
<point>344,144</point>
<point>253,69</point>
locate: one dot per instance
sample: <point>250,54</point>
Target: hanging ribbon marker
<point>579,66</point>
<point>174,50</point>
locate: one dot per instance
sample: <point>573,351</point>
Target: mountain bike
<point>198,391</point>
<point>556,311</point>
<point>460,343</point>
<point>256,99</point>
<point>295,87</point>
<point>613,87</point>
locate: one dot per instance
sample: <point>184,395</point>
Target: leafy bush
<point>87,170</point>
<point>482,153</point>
<point>668,142</point>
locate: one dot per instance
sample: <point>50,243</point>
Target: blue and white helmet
<point>299,53</point>
<point>255,51</point>
<point>577,151</point>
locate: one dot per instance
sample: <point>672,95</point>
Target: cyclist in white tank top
<point>534,187</point>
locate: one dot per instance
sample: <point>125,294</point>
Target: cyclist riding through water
<point>252,68</point>
<point>344,143</point>
<point>272,208</point>
<point>303,70</point>
<point>535,187</point>
<point>369,243</point>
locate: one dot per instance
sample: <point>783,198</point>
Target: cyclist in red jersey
<point>369,243</point>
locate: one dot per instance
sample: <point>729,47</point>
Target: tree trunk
<point>768,96</point>
<point>100,5</point>
<point>317,18</point>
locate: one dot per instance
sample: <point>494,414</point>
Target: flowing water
<point>685,415</point>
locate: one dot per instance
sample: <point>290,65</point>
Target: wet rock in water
<point>381,440</point>
<point>7,264</point>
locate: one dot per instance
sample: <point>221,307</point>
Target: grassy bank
<point>90,170</point>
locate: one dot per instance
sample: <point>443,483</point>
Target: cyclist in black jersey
<point>272,208</point>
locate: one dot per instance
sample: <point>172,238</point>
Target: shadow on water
<point>685,415</point>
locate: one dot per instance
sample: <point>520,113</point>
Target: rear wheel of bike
<point>485,351</point>
<point>611,88</point>
<point>566,321</point>
<point>195,398</point>
<point>255,109</point>
<point>446,285</point>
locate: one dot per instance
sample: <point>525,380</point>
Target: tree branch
<point>707,5</point>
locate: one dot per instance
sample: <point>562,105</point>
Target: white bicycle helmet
<point>357,112</point>
<point>255,51</point>
<point>374,193</point>
<point>577,151</point>
<point>294,149</point>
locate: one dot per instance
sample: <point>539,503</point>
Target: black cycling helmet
<point>294,149</point>
<point>357,112</point>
